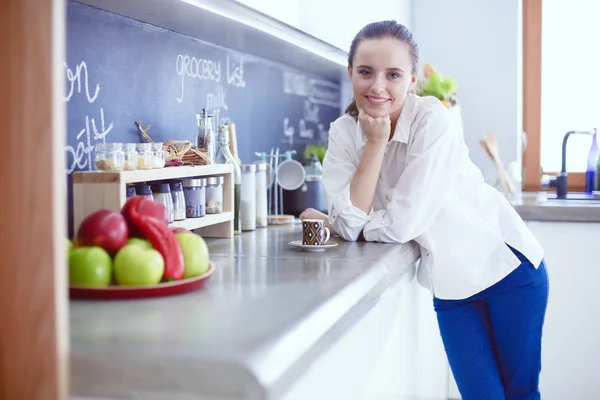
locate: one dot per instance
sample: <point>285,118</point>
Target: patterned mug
<point>314,232</point>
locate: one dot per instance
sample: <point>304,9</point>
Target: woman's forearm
<point>364,182</point>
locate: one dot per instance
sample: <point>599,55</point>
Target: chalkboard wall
<point>120,70</point>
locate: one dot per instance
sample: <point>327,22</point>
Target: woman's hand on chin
<point>377,129</point>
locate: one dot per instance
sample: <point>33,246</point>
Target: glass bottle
<point>590,174</point>
<point>205,139</point>
<point>224,156</point>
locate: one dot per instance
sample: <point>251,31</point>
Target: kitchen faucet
<point>560,182</point>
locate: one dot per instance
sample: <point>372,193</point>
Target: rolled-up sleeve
<point>339,167</point>
<point>433,160</point>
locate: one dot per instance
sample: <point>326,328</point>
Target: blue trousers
<point>493,339</point>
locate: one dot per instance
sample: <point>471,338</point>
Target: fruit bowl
<point>116,292</point>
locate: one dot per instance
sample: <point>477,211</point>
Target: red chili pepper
<point>162,239</point>
<point>143,206</point>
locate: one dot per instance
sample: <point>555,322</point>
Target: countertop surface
<point>266,313</point>
<point>535,206</point>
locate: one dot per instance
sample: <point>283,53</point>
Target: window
<point>561,85</point>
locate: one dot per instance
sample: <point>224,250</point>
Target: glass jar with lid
<point>261,195</point>
<point>179,213</point>
<point>194,192</point>
<point>109,156</point>
<point>162,194</point>
<point>144,190</point>
<point>248,197</point>
<point>131,157</point>
<point>214,195</point>
<point>130,191</point>
<point>159,155</point>
<point>145,155</point>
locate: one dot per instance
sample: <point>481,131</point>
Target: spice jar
<point>144,190</point>
<point>179,212</point>
<point>131,157</point>
<point>162,194</point>
<point>261,195</point>
<point>214,195</point>
<point>130,191</point>
<point>159,155</point>
<point>248,198</point>
<point>110,157</point>
<point>194,193</point>
<point>145,155</point>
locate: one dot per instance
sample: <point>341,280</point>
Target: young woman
<point>397,170</point>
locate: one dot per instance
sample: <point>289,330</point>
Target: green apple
<point>90,266</point>
<point>69,247</point>
<point>136,265</point>
<point>195,253</point>
<point>140,242</point>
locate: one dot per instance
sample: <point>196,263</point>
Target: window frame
<point>532,103</point>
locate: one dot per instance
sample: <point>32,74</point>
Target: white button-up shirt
<point>428,191</point>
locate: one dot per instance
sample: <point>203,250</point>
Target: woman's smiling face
<point>381,76</point>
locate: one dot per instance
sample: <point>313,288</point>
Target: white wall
<point>330,20</point>
<point>478,42</point>
<point>338,22</point>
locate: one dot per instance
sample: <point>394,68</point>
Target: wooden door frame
<point>532,101</point>
<point>33,280</point>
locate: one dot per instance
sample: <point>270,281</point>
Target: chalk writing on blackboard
<point>317,91</point>
<point>196,68</point>
<point>310,115</point>
<point>80,155</point>
<point>207,69</point>
<point>325,93</point>
<point>216,99</point>
<point>235,73</point>
<point>75,77</point>
<point>310,112</point>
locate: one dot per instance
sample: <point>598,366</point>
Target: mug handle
<point>326,230</point>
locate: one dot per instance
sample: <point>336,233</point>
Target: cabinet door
<point>412,362</point>
<point>339,373</point>
<point>346,367</point>
<point>394,352</point>
<point>570,349</point>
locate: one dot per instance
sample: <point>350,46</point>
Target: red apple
<point>104,228</point>
<point>143,206</point>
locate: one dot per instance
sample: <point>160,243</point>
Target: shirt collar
<point>402,130</point>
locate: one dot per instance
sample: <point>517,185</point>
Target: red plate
<point>115,292</point>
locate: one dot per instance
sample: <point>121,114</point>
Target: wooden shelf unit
<point>95,190</point>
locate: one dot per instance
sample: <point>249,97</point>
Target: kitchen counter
<point>268,311</point>
<point>534,206</point>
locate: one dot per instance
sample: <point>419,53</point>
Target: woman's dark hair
<point>380,30</point>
